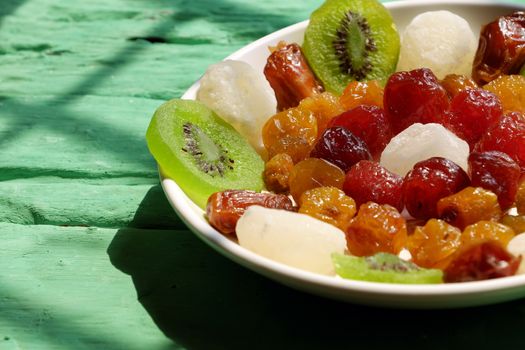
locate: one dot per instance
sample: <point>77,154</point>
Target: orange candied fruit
<point>520,199</point>
<point>433,245</point>
<point>324,107</point>
<point>511,91</point>
<point>483,231</point>
<point>376,228</point>
<point>277,173</point>
<point>516,223</point>
<point>314,172</point>
<point>328,204</point>
<point>468,206</point>
<point>293,132</point>
<point>359,93</point>
<point>455,83</point>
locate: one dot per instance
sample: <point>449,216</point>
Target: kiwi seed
<point>347,58</point>
<point>210,157</point>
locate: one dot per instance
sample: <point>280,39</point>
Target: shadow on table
<point>204,301</point>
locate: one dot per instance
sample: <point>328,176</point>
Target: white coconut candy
<point>241,96</point>
<point>291,238</point>
<point>439,40</point>
<point>516,247</point>
<point>422,141</point>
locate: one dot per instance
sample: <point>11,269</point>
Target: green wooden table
<point>91,254</point>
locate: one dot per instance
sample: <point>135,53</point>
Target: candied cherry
<point>471,113</point>
<point>370,124</point>
<point>341,147</point>
<point>277,172</point>
<point>428,182</point>
<point>501,48</point>
<point>497,172</point>
<point>456,83</point>
<point>469,206</point>
<point>510,89</point>
<point>293,132</point>
<point>507,136</point>
<point>328,204</point>
<point>368,181</point>
<point>376,228</point>
<point>359,93</point>
<point>414,97</point>
<point>290,76</point>
<point>225,208</point>
<point>432,245</point>
<point>482,261</point>
<point>483,231</point>
<point>314,172</point>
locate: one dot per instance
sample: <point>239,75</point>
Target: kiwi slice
<point>383,267</point>
<point>202,152</point>
<point>350,40</point>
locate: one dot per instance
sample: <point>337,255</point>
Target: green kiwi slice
<point>350,40</point>
<point>202,152</point>
<point>383,267</point>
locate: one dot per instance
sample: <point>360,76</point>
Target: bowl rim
<point>194,218</point>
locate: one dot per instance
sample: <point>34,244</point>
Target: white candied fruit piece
<point>422,141</point>
<point>291,238</point>
<point>439,40</point>
<point>241,96</point>
<point>516,247</point>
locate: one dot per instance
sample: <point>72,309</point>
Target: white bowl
<point>379,294</point>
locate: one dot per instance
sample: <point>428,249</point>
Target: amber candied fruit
<point>328,204</point>
<point>511,91</point>
<point>469,206</point>
<point>314,172</point>
<point>277,173</point>
<point>516,223</point>
<point>486,231</point>
<point>520,198</point>
<point>481,261</point>
<point>359,93</point>
<point>376,228</point>
<point>456,83</point>
<point>432,245</point>
<point>324,107</point>
<point>225,208</point>
<point>293,132</point>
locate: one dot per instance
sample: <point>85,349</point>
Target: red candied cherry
<point>471,113</point>
<point>507,136</point>
<point>368,123</point>
<point>414,97</point>
<point>496,172</point>
<point>368,181</point>
<point>341,147</point>
<point>428,182</point>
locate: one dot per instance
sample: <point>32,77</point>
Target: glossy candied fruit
<point>520,198</point>
<point>328,204</point>
<point>225,208</point>
<point>432,245</point>
<point>368,181</point>
<point>314,172</point>
<point>290,76</point>
<point>483,231</point>
<point>370,124</point>
<point>428,182</point>
<point>482,261</point>
<point>277,172</point>
<point>507,136</point>
<point>293,132</point>
<point>324,107</point>
<point>359,93</point>
<point>497,172</point>
<point>468,206</point>
<point>376,228</point>
<point>341,147</point>
<point>456,83</point>
<point>471,113</point>
<point>515,222</point>
<point>510,89</point>
<point>414,97</point>
<point>501,48</point>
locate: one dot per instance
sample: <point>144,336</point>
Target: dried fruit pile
<point>367,167</point>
